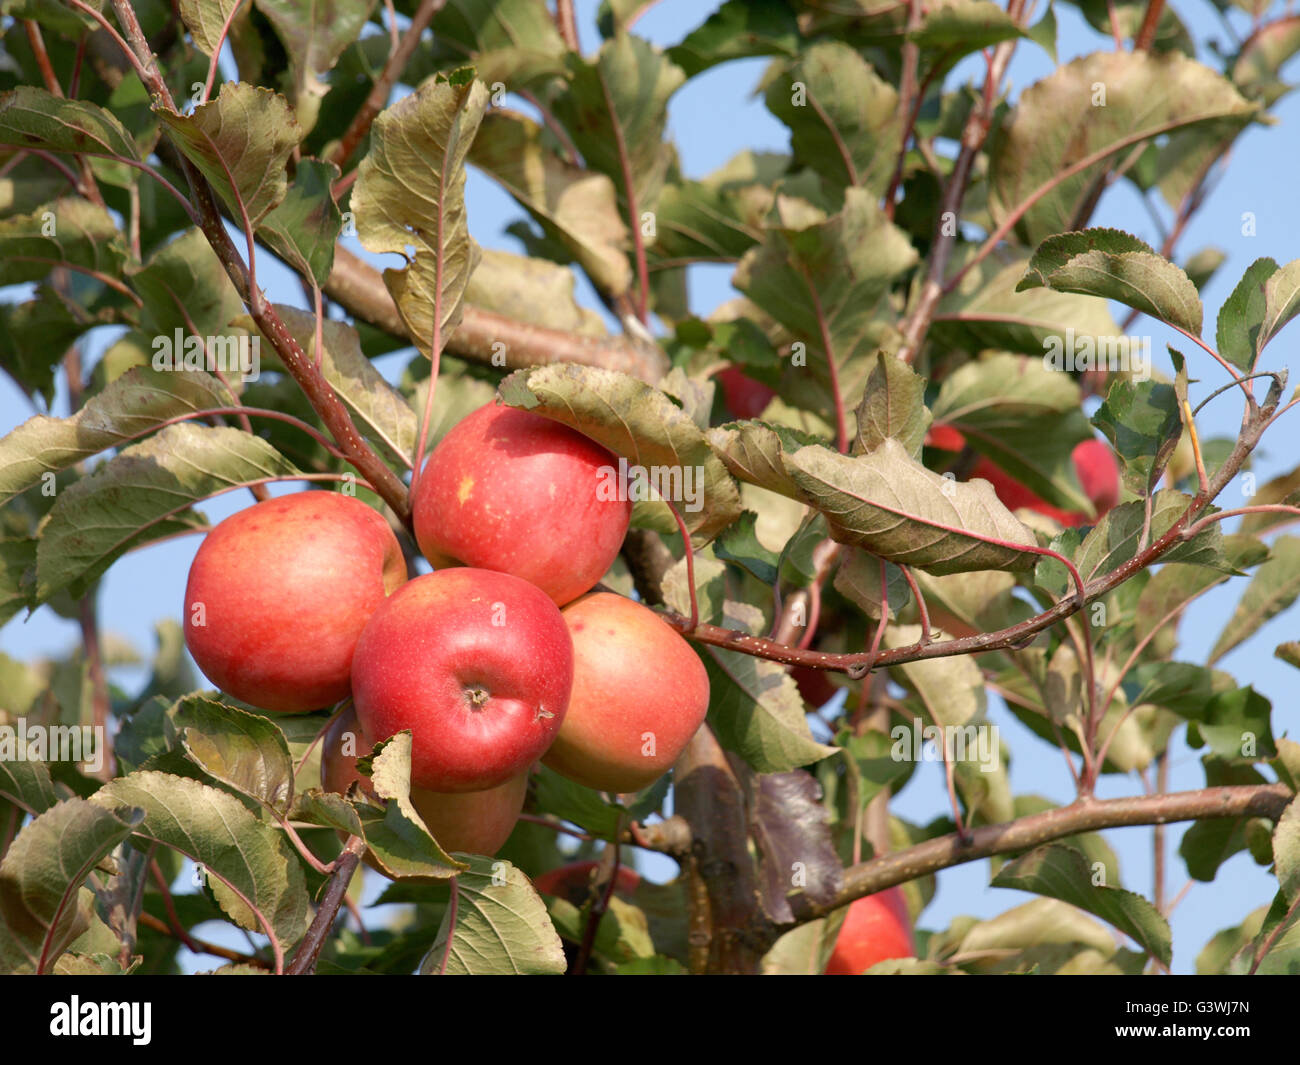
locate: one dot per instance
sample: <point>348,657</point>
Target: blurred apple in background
<point>876,928</point>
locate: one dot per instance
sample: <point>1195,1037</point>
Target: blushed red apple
<point>876,928</point>
<point>279,593</point>
<point>1094,465</point>
<point>512,491</point>
<point>814,685</point>
<point>639,695</point>
<point>472,822</point>
<point>573,881</point>
<point>477,664</point>
<point>745,397</point>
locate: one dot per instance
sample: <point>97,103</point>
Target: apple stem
<point>690,565</point>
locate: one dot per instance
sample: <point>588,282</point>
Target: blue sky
<point>714,116</point>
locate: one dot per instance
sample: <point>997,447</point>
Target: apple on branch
<point>472,822</point>
<point>278,595</point>
<point>574,881</point>
<point>477,664</point>
<point>515,492</point>
<point>639,695</point>
<point>1094,465</point>
<point>876,928</point>
<point>745,397</point>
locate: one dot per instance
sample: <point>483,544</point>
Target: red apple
<point>1098,473</point>
<point>472,822</point>
<point>745,397</point>
<point>512,491</point>
<point>573,881</point>
<point>876,927</point>
<point>639,694</point>
<point>814,685</point>
<point>477,664</point>
<point>279,593</point>
<point>1094,465</point>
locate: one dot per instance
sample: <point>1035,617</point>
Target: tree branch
<point>378,98</point>
<point>304,959</point>
<point>728,931</point>
<point>360,290</point>
<point>1025,833</point>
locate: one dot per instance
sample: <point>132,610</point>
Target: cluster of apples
<point>498,659</point>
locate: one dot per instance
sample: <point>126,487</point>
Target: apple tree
<point>917,479</point>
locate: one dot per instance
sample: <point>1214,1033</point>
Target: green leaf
<point>1204,265</point>
<point>740,544</point>
<point>858,579</point>
<point>398,837</point>
<point>245,750</point>
<point>1241,318</point>
<point>737,30</point>
<point>381,412</point>
<point>695,220</point>
<point>410,193</point>
<point>573,205</point>
<point>26,783</point>
<point>822,279</point>
<point>1235,724</point>
<point>240,142</point>
<point>1142,421</point>
<point>988,310</point>
<point>615,109</point>
<point>1284,488</point>
<point>143,494</point>
<point>136,402</point>
<point>1115,538</point>
<point>710,589</point>
<point>42,905</point>
<point>1256,67</point>
<point>33,118</point>
<point>497,925</point>
<point>644,426</point>
<point>184,286</point>
<point>36,334</point>
<point>72,232</point>
<point>530,290</point>
<point>253,861</point>
<point>756,452</point>
<point>891,505</point>
<point>870,761</point>
<point>562,798</point>
<point>844,119</point>
<point>1061,119</point>
<point>17,558</point>
<point>1281,301</point>
<point>893,405</point>
<point>315,34</point>
<point>303,229</point>
<point>1060,872</point>
<point>1044,936</point>
<point>755,708</point>
<point>1025,417</point>
<point>205,19</point>
<point>1113,264</point>
<point>1272,589</point>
